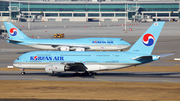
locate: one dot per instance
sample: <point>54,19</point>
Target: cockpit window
<point>17,59</point>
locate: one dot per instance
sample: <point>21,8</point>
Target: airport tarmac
<point>168,42</point>
<point>157,77</point>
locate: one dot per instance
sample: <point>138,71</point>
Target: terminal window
<point>5,14</point>
<point>107,14</point>
<point>65,14</point>
<point>79,14</point>
<point>51,14</point>
<point>174,14</point>
<point>37,14</point>
<point>120,14</point>
<point>163,14</point>
<point>93,15</point>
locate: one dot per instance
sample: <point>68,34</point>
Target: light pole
<point>99,14</point>
<point>125,18</point>
<point>86,11</point>
<point>28,17</point>
<point>10,10</point>
<point>179,12</point>
<point>19,11</point>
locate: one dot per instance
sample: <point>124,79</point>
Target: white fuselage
<point>90,47</point>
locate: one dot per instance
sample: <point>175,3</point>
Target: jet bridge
<point>135,16</point>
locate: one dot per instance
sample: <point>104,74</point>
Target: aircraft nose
<point>126,44</point>
<point>15,64</point>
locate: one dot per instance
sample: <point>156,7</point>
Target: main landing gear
<point>86,73</point>
<point>23,72</point>
<point>91,73</point>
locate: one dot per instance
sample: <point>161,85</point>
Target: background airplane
<point>82,44</point>
<point>91,61</point>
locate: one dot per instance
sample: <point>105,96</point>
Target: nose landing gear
<point>23,72</point>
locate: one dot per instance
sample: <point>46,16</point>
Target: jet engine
<point>80,49</point>
<point>64,48</point>
<point>55,68</point>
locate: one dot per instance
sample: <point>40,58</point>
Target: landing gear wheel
<point>91,73</point>
<point>86,73</point>
<point>23,73</point>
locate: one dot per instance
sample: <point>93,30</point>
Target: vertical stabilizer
<point>13,32</point>
<point>147,41</point>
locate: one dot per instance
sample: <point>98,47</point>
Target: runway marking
<point>176,64</point>
<point>39,79</point>
<point>103,80</point>
<point>170,81</point>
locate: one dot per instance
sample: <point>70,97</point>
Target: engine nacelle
<point>80,49</point>
<point>64,48</point>
<point>55,68</point>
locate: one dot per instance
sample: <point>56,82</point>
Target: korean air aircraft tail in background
<point>82,44</point>
<point>13,32</point>
<point>147,41</point>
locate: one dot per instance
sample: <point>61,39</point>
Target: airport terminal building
<point>89,10</point>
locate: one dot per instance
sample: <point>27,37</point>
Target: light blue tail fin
<point>147,41</point>
<point>13,32</point>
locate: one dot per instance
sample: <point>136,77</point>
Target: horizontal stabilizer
<point>143,58</point>
<point>165,55</point>
<point>15,41</point>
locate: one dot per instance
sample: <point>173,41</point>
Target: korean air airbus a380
<point>92,61</point>
<point>82,44</point>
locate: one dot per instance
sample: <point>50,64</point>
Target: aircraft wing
<point>76,66</point>
<point>61,45</point>
<point>70,46</point>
